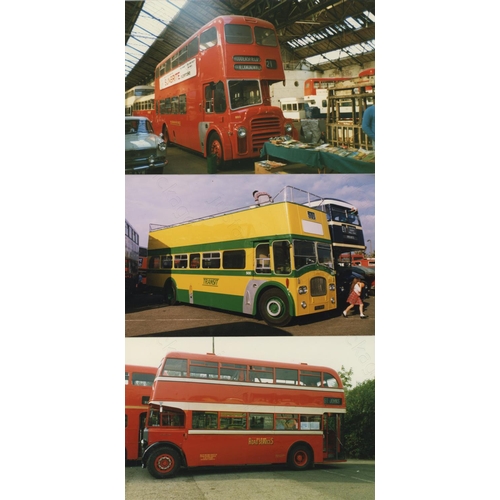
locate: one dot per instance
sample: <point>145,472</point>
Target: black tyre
<point>164,463</point>
<point>215,148</point>
<point>274,308</point>
<point>170,292</point>
<point>300,457</point>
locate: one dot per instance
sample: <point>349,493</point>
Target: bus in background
<point>143,267</point>
<point>131,259</point>
<point>213,93</point>
<point>145,106</point>
<point>135,93</point>
<point>273,260</point>
<point>293,108</point>
<point>347,238</point>
<point>209,410</point>
<point>138,383</point>
<point>316,92</point>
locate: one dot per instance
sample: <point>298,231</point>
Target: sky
<point>352,352</point>
<point>178,198</point>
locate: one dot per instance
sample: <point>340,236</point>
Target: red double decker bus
<point>145,106</point>
<point>138,382</point>
<point>213,93</point>
<point>217,410</point>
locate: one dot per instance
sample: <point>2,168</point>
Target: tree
<point>346,377</point>
<point>359,424</point>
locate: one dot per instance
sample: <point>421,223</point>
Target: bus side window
<point>220,98</point>
<point>262,261</point>
<point>209,103</point>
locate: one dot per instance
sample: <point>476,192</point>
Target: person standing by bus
<point>355,299</point>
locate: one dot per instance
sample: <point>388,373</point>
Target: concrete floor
<point>182,161</point>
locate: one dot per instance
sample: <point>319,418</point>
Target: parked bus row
<point>316,94</point>
<point>208,410</point>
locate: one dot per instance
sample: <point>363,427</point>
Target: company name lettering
<point>260,441</point>
<point>208,456</point>
<point>210,281</point>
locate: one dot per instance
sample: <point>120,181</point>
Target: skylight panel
<point>359,48</point>
<point>154,17</point>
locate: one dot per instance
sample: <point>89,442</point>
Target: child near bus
<point>354,298</point>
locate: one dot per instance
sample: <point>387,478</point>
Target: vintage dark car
<point>145,152</point>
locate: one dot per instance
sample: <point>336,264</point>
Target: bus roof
<point>332,200</point>
<point>219,20</point>
<point>142,369</point>
<point>256,362</point>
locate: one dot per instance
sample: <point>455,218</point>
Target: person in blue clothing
<point>368,123</point>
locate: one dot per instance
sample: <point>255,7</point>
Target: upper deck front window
<point>238,33</point>
<point>244,93</point>
<point>265,37</point>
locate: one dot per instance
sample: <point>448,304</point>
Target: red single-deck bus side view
<point>217,410</point>
<point>213,93</point>
<point>138,383</point>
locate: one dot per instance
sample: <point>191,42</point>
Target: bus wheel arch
<point>166,137</point>
<point>274,307</point>
<point>215,146</point>
<point>163,462</point>
<point>300,456</point>
<point>170,292</point>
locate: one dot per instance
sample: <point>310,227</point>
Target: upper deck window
<point>175,367</point>
<point>208,39</point>
<point>266,37</point>
<point>144,379</point>
<point>238,33</point>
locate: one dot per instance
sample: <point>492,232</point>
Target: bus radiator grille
<point>318,287</point>
<point>263,128</point>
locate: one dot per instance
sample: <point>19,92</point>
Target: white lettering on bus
<point>184,72</point>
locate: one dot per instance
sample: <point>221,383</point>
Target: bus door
<point>214,107</point>
<point>333,447</point>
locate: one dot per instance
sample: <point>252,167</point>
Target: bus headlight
<point>241,132</point>
<point>331,287</point>
<point>302,290</point>
<point>162,146</point>
<point>332,300</point>
<point>303,304</point>
<point>288,128</point>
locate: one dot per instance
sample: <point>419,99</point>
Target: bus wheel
<point>299,457</point>
<point>273,307</point>
<point>215,148</point>
<point>163,463</point>
<point>170,292</point>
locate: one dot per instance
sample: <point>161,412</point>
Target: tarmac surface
<point>146,314</point>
